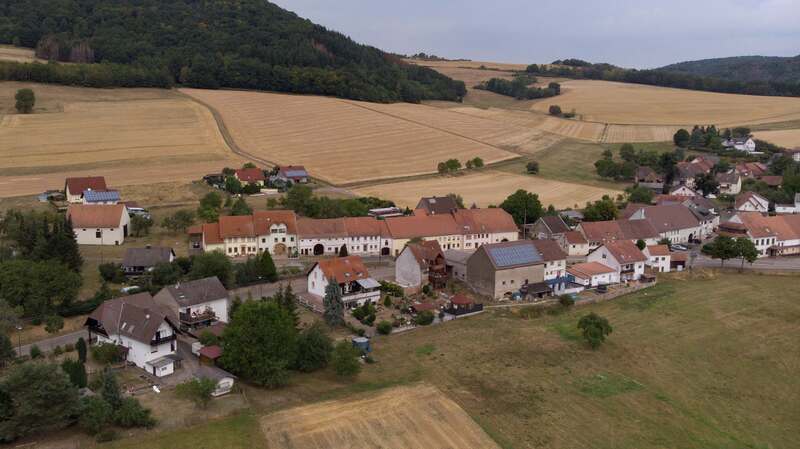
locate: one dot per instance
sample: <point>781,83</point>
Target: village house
<point>751,202</point>
<point>599,232</point>
<point>648,178</point>
<point>624,257</point>
<point>420,264</point>
<point>745,144</point>
<point>789,208</point>
<point>751,170</point>
<point>74,188</point>
<point>658,258</point>
<point>441,205</point>
<point>363,236</point>
<point>549,227</point>
<point>352,276</point>
<point>197,304</point>
<point>144,333</point>
<point>729,183</point>
<point>99,224</point>
<point>575,245</point>
<point>675,222</point>
<point>688,170</point>
<point>501,270</point>
<point>592,274</point>
<point>682,191</point>
<point>773,181</point>
<point>250,176</point>
<point>241,236</point>
<point>777,235</point>
<point>296,174</point>
<point>138,261</point>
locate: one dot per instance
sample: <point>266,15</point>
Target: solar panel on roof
<point>296,173</point>
<point>506,256</point>
<point>100,195</point>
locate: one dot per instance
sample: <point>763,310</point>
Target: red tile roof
<point>95,215</point>
<point>422,226</point>
<point>343,269</point>
<point>575,237</point>
<point>460,300</point>
<point>77,186</point>
<point>772,181</point>
<point>625,251</point>
<point>250,174</point>
<point>426,252</point>
<point>658,250</point>
<point>670,217</point>
<point>490,220</point>
<point>605,231</point>
<point>550,250</point>
<point>589,269</point>
<point>212,352</point>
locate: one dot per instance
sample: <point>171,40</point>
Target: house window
<point>98,234</point>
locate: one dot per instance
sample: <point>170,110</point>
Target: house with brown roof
<point>623,256</point>
<point>575,245</point>
<point>144,332</point>
<point>729,183</point>
<point>241,236</point>
<point>599,232</point>
<point>138,261</point>
<point>294,173</point>
<point>648,178</point>
<point>658,258</point>
<point>420,264</point>
<point>777,235</point>
<point>751,170</point>
<point>101,224</point>
<point>592,274</point>
<point>350,274</point>
<point>74,188</point>
<point>437,205</point>
<point>675,222</point>
<point>250,176</point>
<point>697,166</point>
<point>751,202</point>
<point>364,236</point>
<point>197,304</point>
<point>549,227</point>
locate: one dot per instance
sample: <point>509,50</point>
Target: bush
<point>424,318</point>
<point>132,414</point>
<point>57,350</point>
<point>391,289</point>
<point>69,347</point>
<point>555,110</point>
<point>106,353</point>
<point>80,346</point>
<point>198,391</point>
<point>76,372</point>
<point>314,348</point>
<point>36,352</point>
<point>387,301</point>
<point>95,414</point>
<point>566,301</point>
<point>384,328</point>
<point>532,167</point>
<point>345,360</point>
<point>53,324</point>
<point>208,339</point>
<point>111,272</point>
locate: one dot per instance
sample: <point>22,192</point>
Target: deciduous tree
<point>595,329</point>
<point>25,101</point>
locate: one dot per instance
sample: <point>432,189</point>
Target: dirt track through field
<point>398,418</point>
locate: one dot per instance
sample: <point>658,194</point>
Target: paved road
<point>50,343</point>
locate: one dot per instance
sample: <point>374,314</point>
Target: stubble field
<point>397,418</point>
<point>788,138</point>
<point>131,136</point>
<point>489,187</point>
<point>17,54</point>
<point>344,142</point>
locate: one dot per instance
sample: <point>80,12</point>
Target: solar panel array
<point>521,254</point>
<point>100,195</point>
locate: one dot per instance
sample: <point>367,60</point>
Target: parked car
<point>602,288</point>
<point>678,247</point>
<point>140,211</point>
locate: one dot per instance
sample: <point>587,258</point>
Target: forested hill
<point>743,68</point>
<point>250,44</point>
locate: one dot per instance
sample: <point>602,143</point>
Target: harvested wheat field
<point>17,54</point>
<point>486,188</point>
<point>343,141</point>
<point>479,65</point>
<point>789,138</point>
<point>130,136</point>
<point>398,418</point>
<point>622,103</point>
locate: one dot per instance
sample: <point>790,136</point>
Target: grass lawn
<point>700,361</point>
<point>235,432</point>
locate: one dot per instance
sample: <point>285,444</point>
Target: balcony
<point>197,318</point>
<point>161,340</point>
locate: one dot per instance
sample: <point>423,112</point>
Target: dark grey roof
<point>438,205</point>
<point>135,316</point>
<point>146,257</point>
<point>555,224</point>
<point>197,292</point>
<point>212,372</point>
<point>513,254</point>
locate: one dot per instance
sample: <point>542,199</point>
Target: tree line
<point>578,69</point>
<point>248,44</point>
<point>519,88</point>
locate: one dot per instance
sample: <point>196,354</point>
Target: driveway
<point>47,345</point>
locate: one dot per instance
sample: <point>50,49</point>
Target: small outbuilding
<point>225,380</point>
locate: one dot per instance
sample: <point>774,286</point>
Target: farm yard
<point>610,102</point>
<point>343,141</point>
<point>489,187</point>
<point>131,136</point>
<point>395,418</point>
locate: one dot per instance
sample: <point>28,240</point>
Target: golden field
<point>622,103</point>
<point>397,418</point>
<point>485,188</point>
<point>788,138</point>
<point>342,141</point>
<point>131,136</point>
<point>17,54</point>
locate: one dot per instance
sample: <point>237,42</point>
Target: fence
<point>615,293</point>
